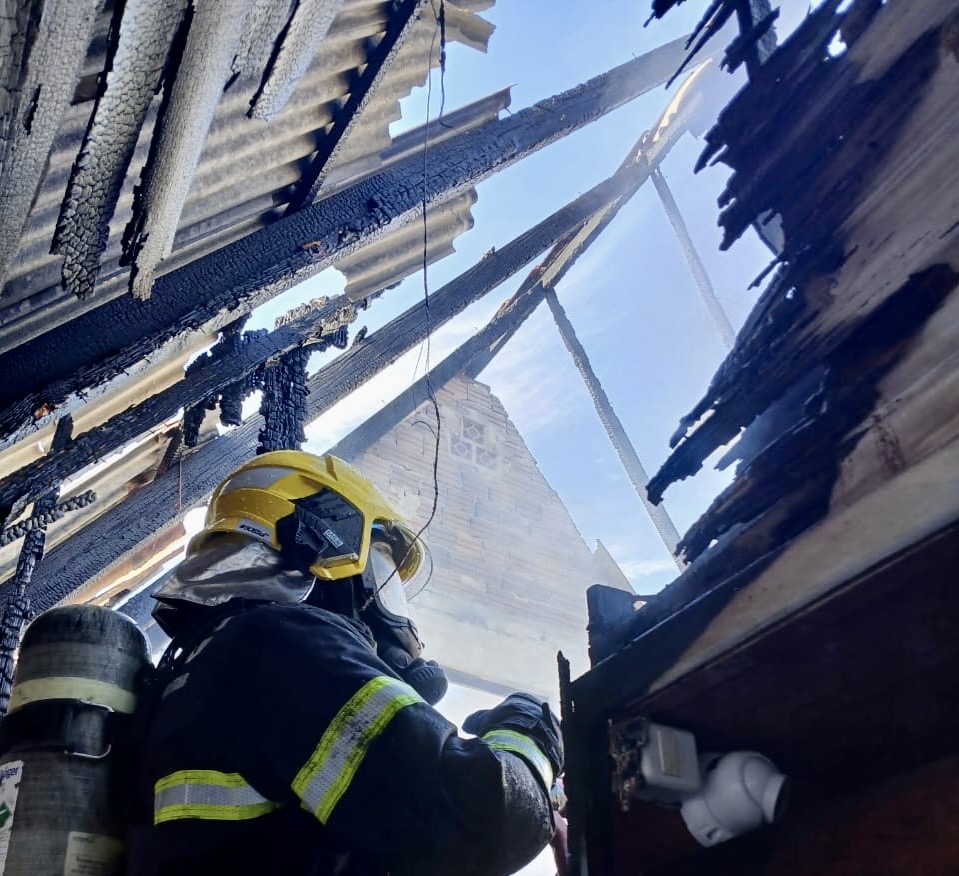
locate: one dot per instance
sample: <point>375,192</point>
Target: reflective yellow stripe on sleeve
<point>207,795</point>
<point>525,747</point>
<point>325,777</point>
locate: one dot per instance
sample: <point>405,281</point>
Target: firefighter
<point>292,729</point>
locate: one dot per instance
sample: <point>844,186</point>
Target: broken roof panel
<point>841,384</point>
<point>246,174</point>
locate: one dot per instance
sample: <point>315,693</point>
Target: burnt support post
<point>17,610</point>
<point>614,428</point>
<point>284,402</point>
<point>696,266</point>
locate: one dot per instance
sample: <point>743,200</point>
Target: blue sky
<point>631,298</point>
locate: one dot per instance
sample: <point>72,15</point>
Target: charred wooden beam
<point>284,402</point>
<point>696,266</point>
<point>296,48</point>
<point>204,67</point>
<point>43,518</point>
<point>504,325</point>
<point>404,17</point>
<point>264,23</point>
<point>17,609</point>
<point>134,67</point>
<point>50,55</point>
<point>206,294</point>
<point>236,358</point>
<point>614,428</point>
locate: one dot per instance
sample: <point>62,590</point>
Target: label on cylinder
<point>92,854</point>
<point>10,774</point>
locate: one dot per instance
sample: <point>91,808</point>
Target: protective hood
<point>234,567</point>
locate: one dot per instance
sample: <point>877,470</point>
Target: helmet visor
<point>401,568</point>
<point>390,593</point>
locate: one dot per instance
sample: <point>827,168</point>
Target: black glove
<point>525,714</point>
<point>426,677</point>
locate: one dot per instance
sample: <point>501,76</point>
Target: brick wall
<point>510,568</point>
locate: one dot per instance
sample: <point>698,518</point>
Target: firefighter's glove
<point>525,714</point>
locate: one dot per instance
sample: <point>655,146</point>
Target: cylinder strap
<point>67,726</point>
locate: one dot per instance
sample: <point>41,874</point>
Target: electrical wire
<point>440,31</point>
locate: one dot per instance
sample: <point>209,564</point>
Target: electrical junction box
<point>669,765</point>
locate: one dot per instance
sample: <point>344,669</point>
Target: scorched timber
<point>50,66</point>
<point>216,289</point>
<point>301,40</point>
<point>346,372</point>
<point>146,33</point>
<point>211,45</point>
<point>378,64</point>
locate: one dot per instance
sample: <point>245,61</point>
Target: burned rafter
<point>17,610</point>
<point>618,437</point>
<point>242,275</point>
<point>50,54</point>
<point>238,358</point>
<point>295,49</point>
<point>379,60</point>
<point>696,267</point>
<point>135,64</point>
<point>204,67</point>
<point>499,329</point>
<point>264,24</point>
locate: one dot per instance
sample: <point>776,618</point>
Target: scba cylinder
<point>65,741</point>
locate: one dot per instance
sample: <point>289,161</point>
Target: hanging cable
<point>440,32</point>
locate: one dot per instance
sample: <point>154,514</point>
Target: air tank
<point>64,744</point>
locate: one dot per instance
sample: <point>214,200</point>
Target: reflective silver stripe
<point>525,747</point>
<point>325,777</point>
<point>87,690</point>
<point>208,795</point>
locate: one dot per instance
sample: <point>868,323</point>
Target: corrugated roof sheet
<point>247,175</point>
